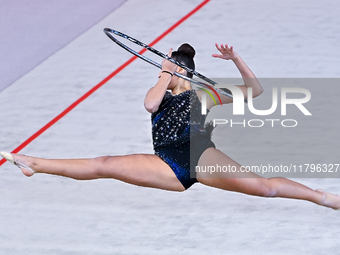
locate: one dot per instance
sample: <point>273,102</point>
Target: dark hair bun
<point>188,49</point>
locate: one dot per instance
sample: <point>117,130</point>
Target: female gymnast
<point>173,116</point>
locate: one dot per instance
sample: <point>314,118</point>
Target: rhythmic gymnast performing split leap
<point>181,142</point>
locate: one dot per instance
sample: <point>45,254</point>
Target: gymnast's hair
<point>185,55</point>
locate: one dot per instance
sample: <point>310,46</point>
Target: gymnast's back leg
<point>146,170</point>
<point>252,184</point>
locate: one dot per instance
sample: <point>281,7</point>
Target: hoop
<point>109,32</point>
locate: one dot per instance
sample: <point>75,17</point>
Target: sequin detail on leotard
<point>179,134</point>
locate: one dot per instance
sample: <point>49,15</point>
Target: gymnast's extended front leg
<point>146,170</point>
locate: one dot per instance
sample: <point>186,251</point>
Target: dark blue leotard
<point>180,135</point>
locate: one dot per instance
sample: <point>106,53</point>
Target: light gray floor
<point>54,215</point>
<point>33,30</point>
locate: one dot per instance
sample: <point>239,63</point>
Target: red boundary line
<point>91,91</point>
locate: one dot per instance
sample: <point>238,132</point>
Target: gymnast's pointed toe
<point>9,157</point>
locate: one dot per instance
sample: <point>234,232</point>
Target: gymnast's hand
<point>167,65</point>
<point>226,51</point>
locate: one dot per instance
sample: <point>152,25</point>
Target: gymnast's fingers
<point>170,52</point>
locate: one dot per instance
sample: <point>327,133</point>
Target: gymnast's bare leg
<point>149,170</point>
<point>145,170</point>
<point>252,184</point>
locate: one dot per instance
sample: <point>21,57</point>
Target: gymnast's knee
<point>100,165</point>
<point>267,188</point>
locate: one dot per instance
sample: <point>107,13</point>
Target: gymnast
<point>181,141</point>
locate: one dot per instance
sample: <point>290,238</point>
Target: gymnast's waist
<point>192,140</point>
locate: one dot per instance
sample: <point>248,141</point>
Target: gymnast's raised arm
<point>155,95</point>
<point>248,76</point>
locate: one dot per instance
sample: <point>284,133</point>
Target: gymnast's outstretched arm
<point>248,76</point>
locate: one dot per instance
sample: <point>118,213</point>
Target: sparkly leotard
<point>179,134</point>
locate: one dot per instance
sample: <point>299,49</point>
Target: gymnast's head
<point>185,55</point>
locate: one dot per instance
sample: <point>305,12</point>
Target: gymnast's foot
<point>20,161</point>
<point>330,200</point>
